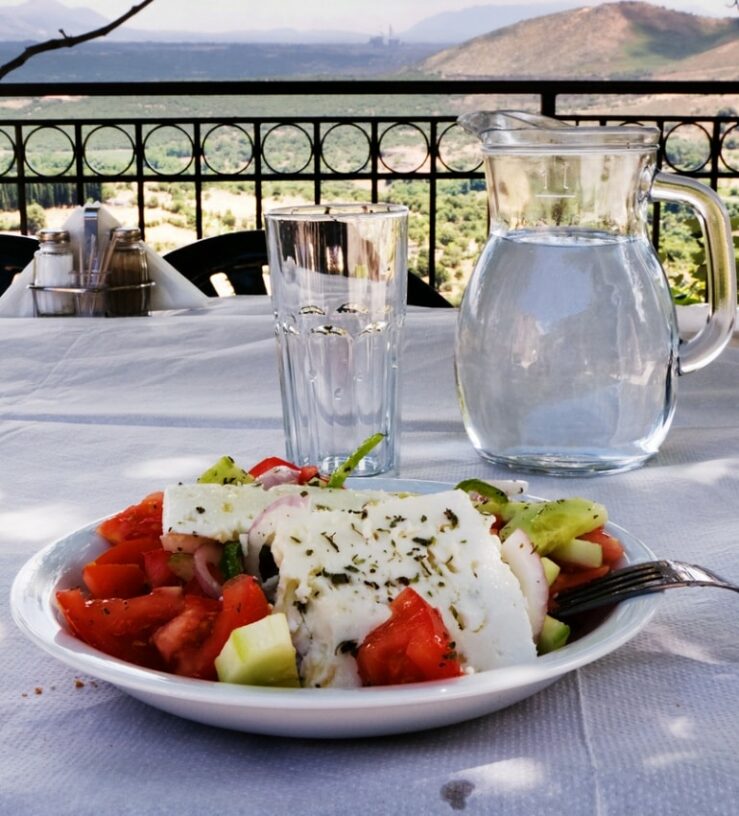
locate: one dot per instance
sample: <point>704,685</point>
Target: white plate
<point>307,712</point>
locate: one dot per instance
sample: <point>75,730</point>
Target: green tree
<point>36,217</point>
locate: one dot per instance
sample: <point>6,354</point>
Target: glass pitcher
<point>567,349</point>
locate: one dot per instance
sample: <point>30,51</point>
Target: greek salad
<point>279,576</point>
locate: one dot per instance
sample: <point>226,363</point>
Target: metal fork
<point>636,579</point>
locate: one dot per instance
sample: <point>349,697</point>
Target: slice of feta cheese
<point>213,510</point>
<point>339,570</point>
<point>223,512</point>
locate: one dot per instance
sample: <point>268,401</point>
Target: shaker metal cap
<point>53,236</point>
<point>126,234</point>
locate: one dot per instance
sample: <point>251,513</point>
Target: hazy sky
<point>351,15</point>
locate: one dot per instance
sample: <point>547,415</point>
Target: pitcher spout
<point>491,126</point>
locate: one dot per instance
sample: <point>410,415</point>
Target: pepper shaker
<point>127,275</point>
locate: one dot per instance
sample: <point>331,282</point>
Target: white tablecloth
<point>95,414</point>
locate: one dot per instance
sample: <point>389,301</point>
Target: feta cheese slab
<point>223,512</point>
<point>213,510</point>
<point>339,570</point>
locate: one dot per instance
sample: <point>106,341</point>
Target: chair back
<point>240,256</point>
<point>421,294</point>
<point>16,252</point>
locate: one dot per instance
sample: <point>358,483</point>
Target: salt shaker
<point>127,276</point>
<point>54,267</point>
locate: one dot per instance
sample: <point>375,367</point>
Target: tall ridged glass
<point>338,277</point>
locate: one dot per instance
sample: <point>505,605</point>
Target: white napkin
<point>172,290</point>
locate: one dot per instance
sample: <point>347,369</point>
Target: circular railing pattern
<point>98,145</point>
<point>404,148</point>
<point>165,157</point>
<point>8,153</point>
<point>58,148</point>
<point>346,148</point>
<point>458,151</point>
<point>227,150</point>
<point>294,136</point>
<point>730,148</point>
<point>686,147</point>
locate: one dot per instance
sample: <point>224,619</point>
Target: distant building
<point>380,41</point>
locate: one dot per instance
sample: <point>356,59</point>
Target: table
<point>96,413</point>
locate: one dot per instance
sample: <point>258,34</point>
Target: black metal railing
<point>384,148</point>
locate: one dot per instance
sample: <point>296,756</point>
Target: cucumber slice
<point>551,570</point>
<point>259,654</point>
<point>553,635</point>
<point>550,524</point>
<point>515,508</point>
<point>225,471</point>
<point>580,552</point>
<point>495,498</point>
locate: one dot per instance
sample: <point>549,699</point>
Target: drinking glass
<point>338,277</point>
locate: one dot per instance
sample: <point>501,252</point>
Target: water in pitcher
<point>341,374</point>
<point>567,351</point>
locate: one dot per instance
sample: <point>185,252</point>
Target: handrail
<point>391,87</point>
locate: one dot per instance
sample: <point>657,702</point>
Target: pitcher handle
<point>720,263</point>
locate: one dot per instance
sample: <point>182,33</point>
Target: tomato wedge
<point>129,551</point>
<point>114,580</point>
<point>243,602</point>
<point>410,647</point>
<point>156,567</point>
<point>142,520</point>
<point>180,638</point>
<point>118,627</point>
<point>569,580</point>
<point>612,550</point>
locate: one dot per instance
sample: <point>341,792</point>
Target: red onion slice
<point>205,555</point>
<point>518,552</point>
<point>277,476</point>
<point>262,529</point>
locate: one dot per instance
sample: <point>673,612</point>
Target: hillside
<point>628,40</point>
<point>719,63</point>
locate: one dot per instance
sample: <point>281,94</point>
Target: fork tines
<point>639,577</point>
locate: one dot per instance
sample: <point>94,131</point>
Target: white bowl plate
<point>308,712</point>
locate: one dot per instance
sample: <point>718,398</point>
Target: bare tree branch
<point>65,41</point>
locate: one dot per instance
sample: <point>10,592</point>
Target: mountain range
<point>625,40</point>
<point>35,20</point>
<point>618,40</point>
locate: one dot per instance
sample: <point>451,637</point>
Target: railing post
<point>197,149</point>
<point>79,161</point>
<point>715,152</point>
<point>374,160</point>
<point>138,136</point>
<point>317,162</point>
<point>258,174</point>
<point>20,157</point>
<point>548,103</point>
<point>433,152</point>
